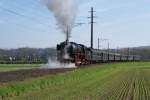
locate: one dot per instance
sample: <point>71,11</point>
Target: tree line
<point>26,55</point>
<point>38,55</point>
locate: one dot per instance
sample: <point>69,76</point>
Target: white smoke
<point>65,13</point>
<point>54,64</point>
<point>66,55</point>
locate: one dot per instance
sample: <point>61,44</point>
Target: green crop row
<point>120,81</point>
<point>14,67</point>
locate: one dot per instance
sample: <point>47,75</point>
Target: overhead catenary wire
<point>17,24</point>
<point>33,19</point>
<point>30,18</point>
<point>33,8</point>
<point>22,15</point>
<point>25,27</point>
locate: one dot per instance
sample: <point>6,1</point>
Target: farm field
<point>118,81</point>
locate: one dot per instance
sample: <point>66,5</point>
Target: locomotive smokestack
<point>67,35</point>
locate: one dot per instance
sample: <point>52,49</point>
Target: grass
<point>120,81</point>
<point>14,67</point>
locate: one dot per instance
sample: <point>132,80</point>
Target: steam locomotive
<point>81,55</point>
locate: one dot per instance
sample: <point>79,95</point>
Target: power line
<point>25,27</point>
<point>18,14</point>
<point>20,25</point>
<point>31,9</point>
<point>34,3</point>
<point>23,15</point>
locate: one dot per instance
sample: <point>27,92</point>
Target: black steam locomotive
<point>81,55</point>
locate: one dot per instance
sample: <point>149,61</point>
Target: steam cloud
<point>54,64</point>
<point>65,13</point>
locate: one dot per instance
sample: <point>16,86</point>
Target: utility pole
<point>117,50</point>
<point>98,43</point>
<point>92,22</point>
<point>108,50</point>
<point>101,39</point>
<point>133,51</point>
<point>128,53</point>
<point>133,55</point>
<point>108,47</point>
<point>92,27</point>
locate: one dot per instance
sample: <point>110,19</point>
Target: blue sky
<point>28,23</point>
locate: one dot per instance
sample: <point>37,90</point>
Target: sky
<point>28,23</point>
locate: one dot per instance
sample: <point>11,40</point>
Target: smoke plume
<point>65,13</point>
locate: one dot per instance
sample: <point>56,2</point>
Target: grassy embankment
<point>14,67</point>
<point>123,81</point>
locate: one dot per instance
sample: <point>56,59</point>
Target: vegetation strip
<point>124,81</point>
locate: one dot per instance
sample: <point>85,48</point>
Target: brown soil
<point>21,75</point>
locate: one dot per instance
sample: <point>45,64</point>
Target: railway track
<point>21,75</point>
